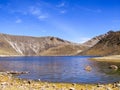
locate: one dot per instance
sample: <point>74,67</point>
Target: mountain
<point>27,46</point>
<point>68,49</point>
<point>94,40</point>
<point>108,45</point>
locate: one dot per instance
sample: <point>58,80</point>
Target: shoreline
<point>111,58</point>
<point>9,82</point>
<point>10,55</point>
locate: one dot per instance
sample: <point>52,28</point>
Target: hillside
<point>94,40</point>
<point>69,49</point>
<point>6,48</point>
<point>26,45</point>
<point>108,45</point>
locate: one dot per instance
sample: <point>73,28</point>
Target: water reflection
<point>103,67</point>
<point>61,69</point>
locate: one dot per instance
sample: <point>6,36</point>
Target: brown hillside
<point>69,49</point>
<point>109,45</point>
<point>6,48</point>
<point>26,45</point>
<point>94,40</point>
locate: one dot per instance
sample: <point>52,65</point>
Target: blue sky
<point>73,20</point>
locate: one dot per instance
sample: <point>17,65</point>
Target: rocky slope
<point>26,45</point>
<point>108,45</point>
<point>94,40</point>
<point>69,49</point>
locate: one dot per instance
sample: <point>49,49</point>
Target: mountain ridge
<point>108,45</point>
<point>29,45</point>
<point>105,44</point>
<point>94,40</point>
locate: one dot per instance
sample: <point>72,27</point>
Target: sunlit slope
<point>32,46</point>
<point>69,49</point>
<point>6,48</point>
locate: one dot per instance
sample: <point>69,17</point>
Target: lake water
<point>61,69</point>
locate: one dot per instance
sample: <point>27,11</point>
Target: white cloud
<point>93,10</point>
<point>41,17</point>
<point>38,13</point>
<point>35,11</point>
<point>90,10</point>
<point>61,4</point>
<point>62,7</point>
<point>63,11</point>
<point>22,12</point>
<point>18,21</point>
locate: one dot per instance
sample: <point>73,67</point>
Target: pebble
<point>108,88</point>
<point>4,83</point>
<point>88,68</point>
<point>29,82</point>
<point>118,85</point>
<point>99,85</point>
<point>73,84</point>
<point>39,80</point>
<point>54,86</point>
<point>72,88</point>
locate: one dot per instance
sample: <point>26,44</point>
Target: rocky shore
<point>8,82</point>
<point>111,58</point>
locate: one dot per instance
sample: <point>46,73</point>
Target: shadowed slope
<point>109,45</point>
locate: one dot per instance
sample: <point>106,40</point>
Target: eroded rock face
<point>94,40</point>
<point>25,45</point>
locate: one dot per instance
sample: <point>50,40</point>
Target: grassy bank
<point>8,82</point>
<point>112,58</point>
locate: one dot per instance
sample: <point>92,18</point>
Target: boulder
<point>113,67</point>
<point>88,68</point>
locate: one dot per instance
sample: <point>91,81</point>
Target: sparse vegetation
<point>109,45</point>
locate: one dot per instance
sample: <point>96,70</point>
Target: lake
<point>61,69</point>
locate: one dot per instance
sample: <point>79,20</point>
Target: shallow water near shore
<point>61,69</point>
